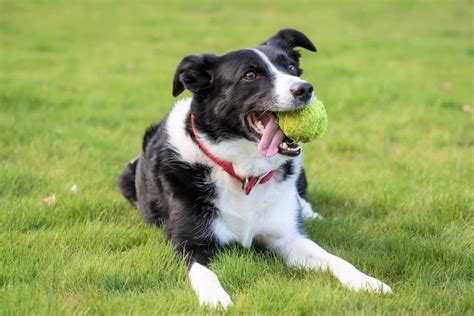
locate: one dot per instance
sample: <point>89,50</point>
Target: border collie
<point>217,169</point>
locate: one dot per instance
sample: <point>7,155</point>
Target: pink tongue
<point>272,136</point>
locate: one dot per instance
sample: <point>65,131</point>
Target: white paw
<point>207,287</point>
<point>355,280</point>
<point>307,210</point>
<point>215,297</point>
<point>358,281</point>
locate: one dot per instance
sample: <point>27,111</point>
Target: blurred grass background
<point>80,81</point>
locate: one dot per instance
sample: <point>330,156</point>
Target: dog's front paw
<point>214,298</point>
<point>207,287</point>
<point>359,281</point>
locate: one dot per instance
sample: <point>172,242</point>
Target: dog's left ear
<point>289,39</point>
<point>194,73</point>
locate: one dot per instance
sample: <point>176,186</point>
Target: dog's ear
<point>194,73</point>
<point>289,39</point>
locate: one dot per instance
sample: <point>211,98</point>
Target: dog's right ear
<point>194,73</point>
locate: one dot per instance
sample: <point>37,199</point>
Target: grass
<point>80,81</point>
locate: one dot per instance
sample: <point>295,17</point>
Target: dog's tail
<point>127,181</point>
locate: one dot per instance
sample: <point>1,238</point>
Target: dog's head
<point>237,95</point>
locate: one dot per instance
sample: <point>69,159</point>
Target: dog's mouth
<point>272,139</point>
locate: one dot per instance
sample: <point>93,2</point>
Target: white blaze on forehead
<point>282,82</point>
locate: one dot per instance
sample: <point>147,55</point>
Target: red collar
<point>248,183</point>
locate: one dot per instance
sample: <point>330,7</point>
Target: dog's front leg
<point>207,286</point>
<point>190,234</point>
<point>302,252</point>
<point>204,282</point>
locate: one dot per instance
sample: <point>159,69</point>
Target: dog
<point>217,170</point>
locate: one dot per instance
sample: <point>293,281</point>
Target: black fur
<point>302,184</point>
<point>193,74</point>
<point>127,181</point>
<point>176,194</point>
<point>289,39</point>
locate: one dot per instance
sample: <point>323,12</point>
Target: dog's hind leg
<point>307,210</point>
<point>302,188</point>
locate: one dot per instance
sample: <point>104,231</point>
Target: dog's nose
<point>302,91</point>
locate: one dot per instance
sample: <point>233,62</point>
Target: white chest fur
<point>269,210</point>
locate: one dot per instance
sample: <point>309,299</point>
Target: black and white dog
<point>218,170</point>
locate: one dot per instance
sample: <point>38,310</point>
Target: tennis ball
<point>306,124</point>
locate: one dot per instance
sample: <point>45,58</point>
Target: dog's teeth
<point>259,125</point>
<point>284,145</point>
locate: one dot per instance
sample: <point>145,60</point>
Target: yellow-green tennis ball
<point>306,124</point>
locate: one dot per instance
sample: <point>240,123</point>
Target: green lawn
<point>393,177</point>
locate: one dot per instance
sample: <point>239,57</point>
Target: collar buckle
<point>245,184</point>
<point>249,183</point>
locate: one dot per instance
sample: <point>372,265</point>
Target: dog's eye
<point>292,69</point>
<point>250,75</point>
